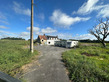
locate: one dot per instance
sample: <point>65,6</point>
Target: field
<point>88,63</point>
<point>13,55</point>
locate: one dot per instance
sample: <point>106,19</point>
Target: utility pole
<point>31,31</point>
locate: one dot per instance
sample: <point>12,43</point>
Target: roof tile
<point>42,37</point>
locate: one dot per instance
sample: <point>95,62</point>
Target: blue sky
<point>69,19</point>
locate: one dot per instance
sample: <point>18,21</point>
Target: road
<point>51,68</point>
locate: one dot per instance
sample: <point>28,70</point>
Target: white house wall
<point>51,42</point>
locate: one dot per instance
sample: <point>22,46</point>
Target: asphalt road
<point>51,68</point>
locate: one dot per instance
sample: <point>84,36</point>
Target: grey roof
<point>51,36</point>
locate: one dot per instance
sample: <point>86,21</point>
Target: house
<point>41,39</point>
<point>47,40</point>
<point>51,40</point>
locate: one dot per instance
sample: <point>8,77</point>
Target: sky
<point>67,19</point>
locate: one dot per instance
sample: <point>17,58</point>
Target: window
<point>48,42</point>
<point>68,43</point>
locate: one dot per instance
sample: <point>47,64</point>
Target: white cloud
<point>41,16</point>
<point>18,8</point>
<point>4,27</point>
<point>63,20</point>
<point>107,38</point>
<point>48,30</point>
<point>4,34</point>
<point>25,35</point>
<point>104,12</point>
<point>87,36</point>
<point>39,33</point>
<point>4,22</point>
<point>65,36</point>
<point>84,36</point>
<point>87,7</point>
<point>35,29</point>
<point>2,16</point>
<point>90,6</point>
<point>3,19</point>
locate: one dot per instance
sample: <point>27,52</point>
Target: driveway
<point>51,68</point>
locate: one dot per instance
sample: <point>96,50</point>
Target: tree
<point>12,38</point>
<point>101,31</point>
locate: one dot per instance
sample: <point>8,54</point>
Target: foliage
<point>13,55</point>
<point>88,41</point>
<point>12,38</point>
<point>91,68</point>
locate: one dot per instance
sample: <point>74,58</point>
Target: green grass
<point>92,68</point>
<point>13,55</point>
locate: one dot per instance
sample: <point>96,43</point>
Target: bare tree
<point>101,31</point>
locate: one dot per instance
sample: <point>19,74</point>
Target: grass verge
<point>87,64</point>
<point>13,55</point>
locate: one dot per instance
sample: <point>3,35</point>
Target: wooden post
<point>31,31</point>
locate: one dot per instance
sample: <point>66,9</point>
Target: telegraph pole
<point>31,31</point>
